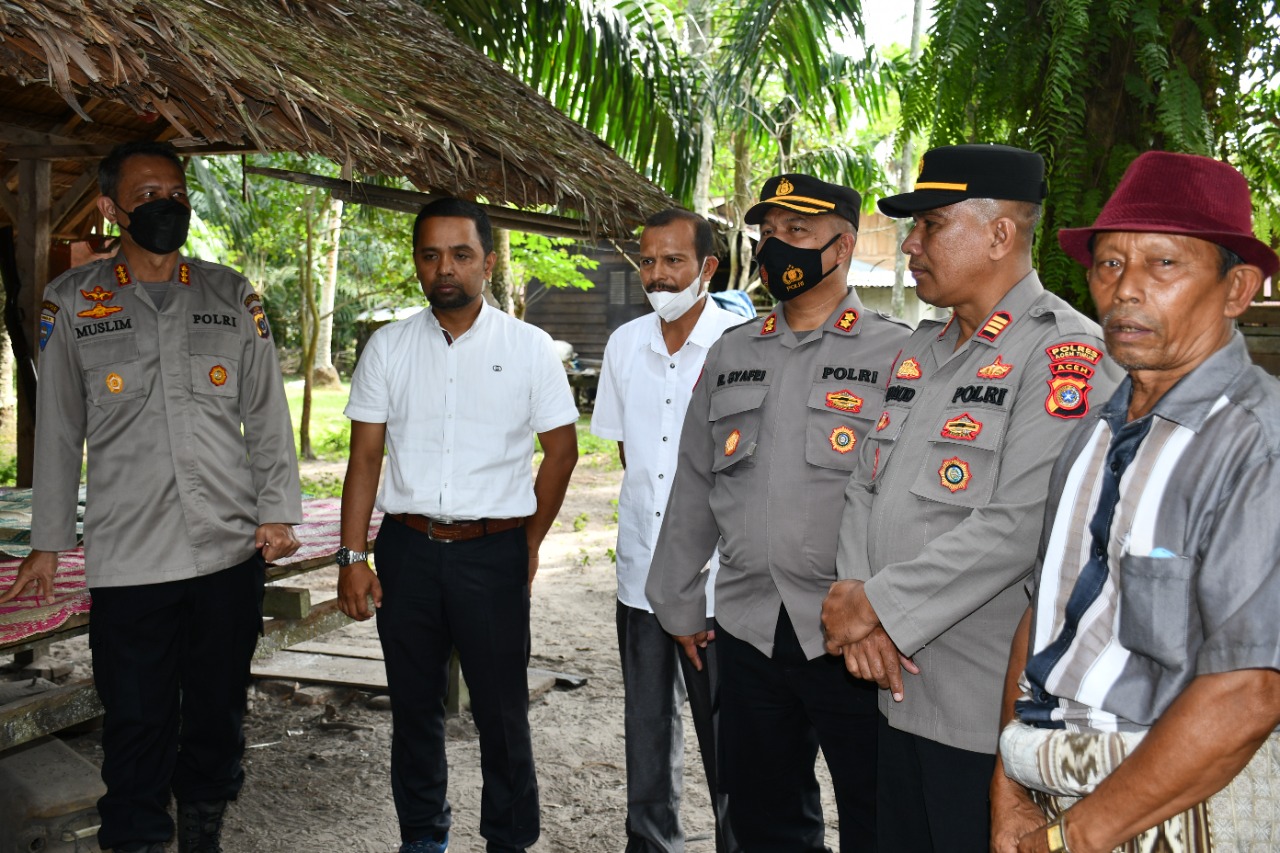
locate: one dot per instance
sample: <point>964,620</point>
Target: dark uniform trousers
<point>472,596</point>
<point>932,797</point>
<point>171,665</point>
<point>656,675</point>
<point>775,712</point>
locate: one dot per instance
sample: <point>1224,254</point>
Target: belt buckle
<point>431,532</point>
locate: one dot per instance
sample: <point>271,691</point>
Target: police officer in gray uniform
<point>165,364</point>
<point>944,509</point>
<point>768,442</point>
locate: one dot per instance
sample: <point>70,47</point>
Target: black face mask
<point>789,271</point>
<point>159,226</point>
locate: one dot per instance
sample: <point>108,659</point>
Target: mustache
<point>1120,317</point>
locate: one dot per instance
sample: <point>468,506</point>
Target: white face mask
<point>672,306</point>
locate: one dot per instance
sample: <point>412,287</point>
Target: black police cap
<point>956,172</point>
<point>805,194</point>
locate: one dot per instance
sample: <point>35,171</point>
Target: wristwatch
<point>346,557</point>
<point>1057,835</point>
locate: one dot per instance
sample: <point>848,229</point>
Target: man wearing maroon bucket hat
<point>1142,694</point>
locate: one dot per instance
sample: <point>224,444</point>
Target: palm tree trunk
<point>898,297</point>
<point>502,283</point>
<point>325,374</point>
<point>740,243</point>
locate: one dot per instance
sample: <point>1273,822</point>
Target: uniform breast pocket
<point>112,372</point>
<point>839,417</point>
<point>215,364</point>
<point>962,460</point>
<point>1155,606</point>
<point>735,425</point>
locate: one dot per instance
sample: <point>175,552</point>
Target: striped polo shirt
<point>1191,575</point>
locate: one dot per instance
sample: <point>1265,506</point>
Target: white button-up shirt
<point>641,401</point>
<point>460,417</point>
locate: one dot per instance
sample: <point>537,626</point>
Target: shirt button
<point>664,438</point>
<point>668,401</point>
<point>1115,467</point>
<point>673,364</point>
<point>661,476</point>
<point>659,514</point>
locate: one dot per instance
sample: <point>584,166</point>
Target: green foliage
<point>328,424</point>
<point>549,260</point>
<point>580,522</point>
<point>8,470</point>
<point>323,485</point>
<point>1090,84</point>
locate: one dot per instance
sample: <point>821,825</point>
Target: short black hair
<point>110,167</point>
<point>450,206</point>
<point>703,238</point>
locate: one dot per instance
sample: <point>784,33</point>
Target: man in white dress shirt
<point>455,395</point>
<point>650,367</point>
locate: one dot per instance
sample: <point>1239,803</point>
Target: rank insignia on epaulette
<point>995,370</point>
<point>842,439</point>
<point>122,275</point>
<point>98,294</point>
<point>1068,390</point>
<point>998,322</point>
<point>954,474</point>
<point>770,324</point>
<point>98,311</point>
<point>883,422</point>
<point>845,401</point>
<point>909,369</point>
<point>1073,349</point>
<point>115,383</point>
<point>731,443</point>
<point>847,320</point>
<point>963,428</point>
<point>184,274</point>
<point>218,375</point>
<point>260,321</point>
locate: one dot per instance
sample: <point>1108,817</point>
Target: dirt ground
<point>317,777</point>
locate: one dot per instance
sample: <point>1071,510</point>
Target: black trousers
<point>774,714</point>
<point>932,797</point>
<point>473,596</point>
<point>171,664</point>
<point>656,677</point>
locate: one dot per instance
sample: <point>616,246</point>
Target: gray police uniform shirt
<point>190,446</point>
<point>1194,581</point>
<point>768,442</point>
<point>944,510</point>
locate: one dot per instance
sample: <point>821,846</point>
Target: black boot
<point>199,826</point>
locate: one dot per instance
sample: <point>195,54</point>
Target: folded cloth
<point>1059,767</point>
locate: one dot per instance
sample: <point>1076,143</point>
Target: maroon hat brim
<point>1075,242</point>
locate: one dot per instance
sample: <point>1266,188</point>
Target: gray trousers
<point>657,677</point>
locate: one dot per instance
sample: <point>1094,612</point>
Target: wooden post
<point>34,233</point>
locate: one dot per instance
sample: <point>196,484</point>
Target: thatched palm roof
<point>379,85</point>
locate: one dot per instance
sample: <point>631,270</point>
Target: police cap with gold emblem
<point>805,194</point>
<point>954,173</point>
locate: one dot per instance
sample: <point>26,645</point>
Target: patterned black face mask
<point>789,271</point>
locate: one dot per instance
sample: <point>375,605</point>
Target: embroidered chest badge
<point>770,324</point>
<point>731,443</point>
<point>995,370</point>
<point>909,369</point>
<point>847,320</point>
<point>98,311</point>
<point>98,294</point>
<point>845,401</point>
<point>955,474</point>
<point>963,428</point>
<point>218,375</point>
<point>842,439</point>
<point>115,383</point>
<point>883,422</point>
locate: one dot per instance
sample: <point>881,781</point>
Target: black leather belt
<point>456,531</point>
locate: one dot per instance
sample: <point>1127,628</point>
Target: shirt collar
<point>433,321</point>
<point>1190,402</point>
<point>846,319</point>
<point>1011,309</point>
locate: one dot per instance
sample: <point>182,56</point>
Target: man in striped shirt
<point>1142,691</point>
